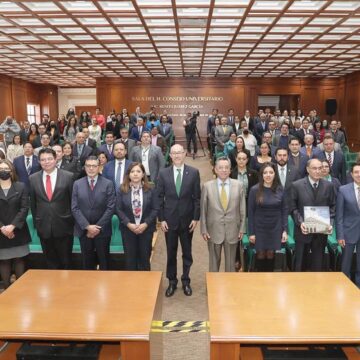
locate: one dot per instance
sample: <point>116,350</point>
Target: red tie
<point>92,186</point>
<point>48,187</point>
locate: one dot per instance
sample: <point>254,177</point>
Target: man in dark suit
<point>92,205</point>
<point>348,223</point>
<point>108,147</point>
<point>282,140</point>
<point>74,166</point>
<point>311,191</point>
<point>89,142</point>
<point>296,158</point>
<point>137,130</point>
<point>250,122</point>
<point>129,143</point>
<point>80,150</point>
<point>165,130</point>
<point>231,117</point>
<point>24,132</point>
<point>298,132</point>
<point>261,127</point>
<point>26,165</point>
<point>37,142</point>
<point>337,134</point>
<point>287,173</point>
<point>113,126</point>
<point>115,169</point>
<point>149,155</point>
<point>336,159</point>
<point>50,195</point>
<point>179,192</point>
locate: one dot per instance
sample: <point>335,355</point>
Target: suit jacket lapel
<point>309,188</point>
<point>184,180</point>
<point>216,193</point>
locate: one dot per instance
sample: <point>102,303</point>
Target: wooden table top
<point>80,305</point>
<point>283,308</point>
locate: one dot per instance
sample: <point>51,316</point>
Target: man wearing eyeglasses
<point>50,195</point>
<point>311,191</point>
<point>178,188</point>
<point>93,204</point>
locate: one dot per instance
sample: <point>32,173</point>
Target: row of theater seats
<point>116,246</point>
<point>284,258</point>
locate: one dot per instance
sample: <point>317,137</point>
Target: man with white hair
<point>10,128</point>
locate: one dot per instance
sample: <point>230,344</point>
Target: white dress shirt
<point>53,177</point>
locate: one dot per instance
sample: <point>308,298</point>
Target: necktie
<point>178,182</point>
<point>92,184</point>
<point>109,149</point>
<point>224,129</point>
<point>118,176</point>
<point>28,167</point>
<point>358,198</point>
<point>48,187</point>
<point>315,186</point>
<point>308,151</point>
<point>80,148</point>
<point>329,156</point>
<point>282,176</point>
<point>223,197</point>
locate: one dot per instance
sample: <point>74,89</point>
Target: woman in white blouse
<point>15,149</point>
<point>95,131</point>
<point>137,208</point>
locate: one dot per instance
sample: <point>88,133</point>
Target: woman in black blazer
<point>14,234</point>
<point>137,208</point>
<point>248,178</point>
<point>239,146</point>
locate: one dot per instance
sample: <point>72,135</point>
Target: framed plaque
<point>317,219</point>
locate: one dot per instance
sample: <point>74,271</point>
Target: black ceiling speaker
<point>331,106</point>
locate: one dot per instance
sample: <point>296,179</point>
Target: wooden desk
<point>82,306</point>
<point>280,308</point>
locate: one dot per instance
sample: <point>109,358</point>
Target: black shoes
<point>170,290</point>
<point>187,290</point>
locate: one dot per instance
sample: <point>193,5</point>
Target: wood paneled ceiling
<point>71,43</point>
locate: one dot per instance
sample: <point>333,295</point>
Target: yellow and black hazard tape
<point>179,326</point>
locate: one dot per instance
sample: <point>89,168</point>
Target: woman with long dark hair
<point>239,146</point>
<point>319,132</point>
<point>267,217</point>
<point>70,130</point>
<point>137,208</point>
<point>33,134</point>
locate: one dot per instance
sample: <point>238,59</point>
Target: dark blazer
<point>259,130</point>
<point>315,152</point>
<point>135,133</point>
<point>166,132</point>
<point>93,207</point>
<point>23,176</point>
<point>338,168</point>
<point>91,143</point>
<point>251,125</point>
<point>347,215</point>
<point>150,209</point>
<point>104,148</point>
<point>292,174</point>
<point>24,135</point>
<point>303,159</point>
<point>232,156</point>
<point>115,129</point>
<point>299,134</point>
<point>179,211</point>
<point>72,165</point>
<point>129,144</point>
<point>109,171</point>
<point>276,140</point>
<point>52,218</point>
<point>302,194</point>
<point>86,152</point>
<point>13,210</point>
<point>252,176</point>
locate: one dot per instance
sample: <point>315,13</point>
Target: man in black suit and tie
<point>311,191</point>
<point>336,159</point>
<point>93,204</point>
<point>179,192</point>
<point>80,150</point>
<point>129,143</point>
<point>24,132</point>
<point>260,128</point>
<point>26,165</point>
<point>108,147</point>
<point>296,158</point>
<point>231,117</point>
<point>287,173</point>
<point>50,195</point>
<point>89,142</point>
<point>74,166</point>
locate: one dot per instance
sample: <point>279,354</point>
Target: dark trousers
<point>137,249</point>
<point>172,241</point>
<point>95,251</point>
<point>57,251</point>
<point>302,251</point>
<point>346,261</point>
<point>191,137</point>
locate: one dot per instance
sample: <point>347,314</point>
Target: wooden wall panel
<point>5,97</point>
<point>241,94</point>
<point>19,96</point>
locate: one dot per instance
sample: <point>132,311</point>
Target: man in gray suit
<point>129,143</point>
<point>222,133</point>
<point>149,155</point>
<point>348,223</point>
<point>222,222</point>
